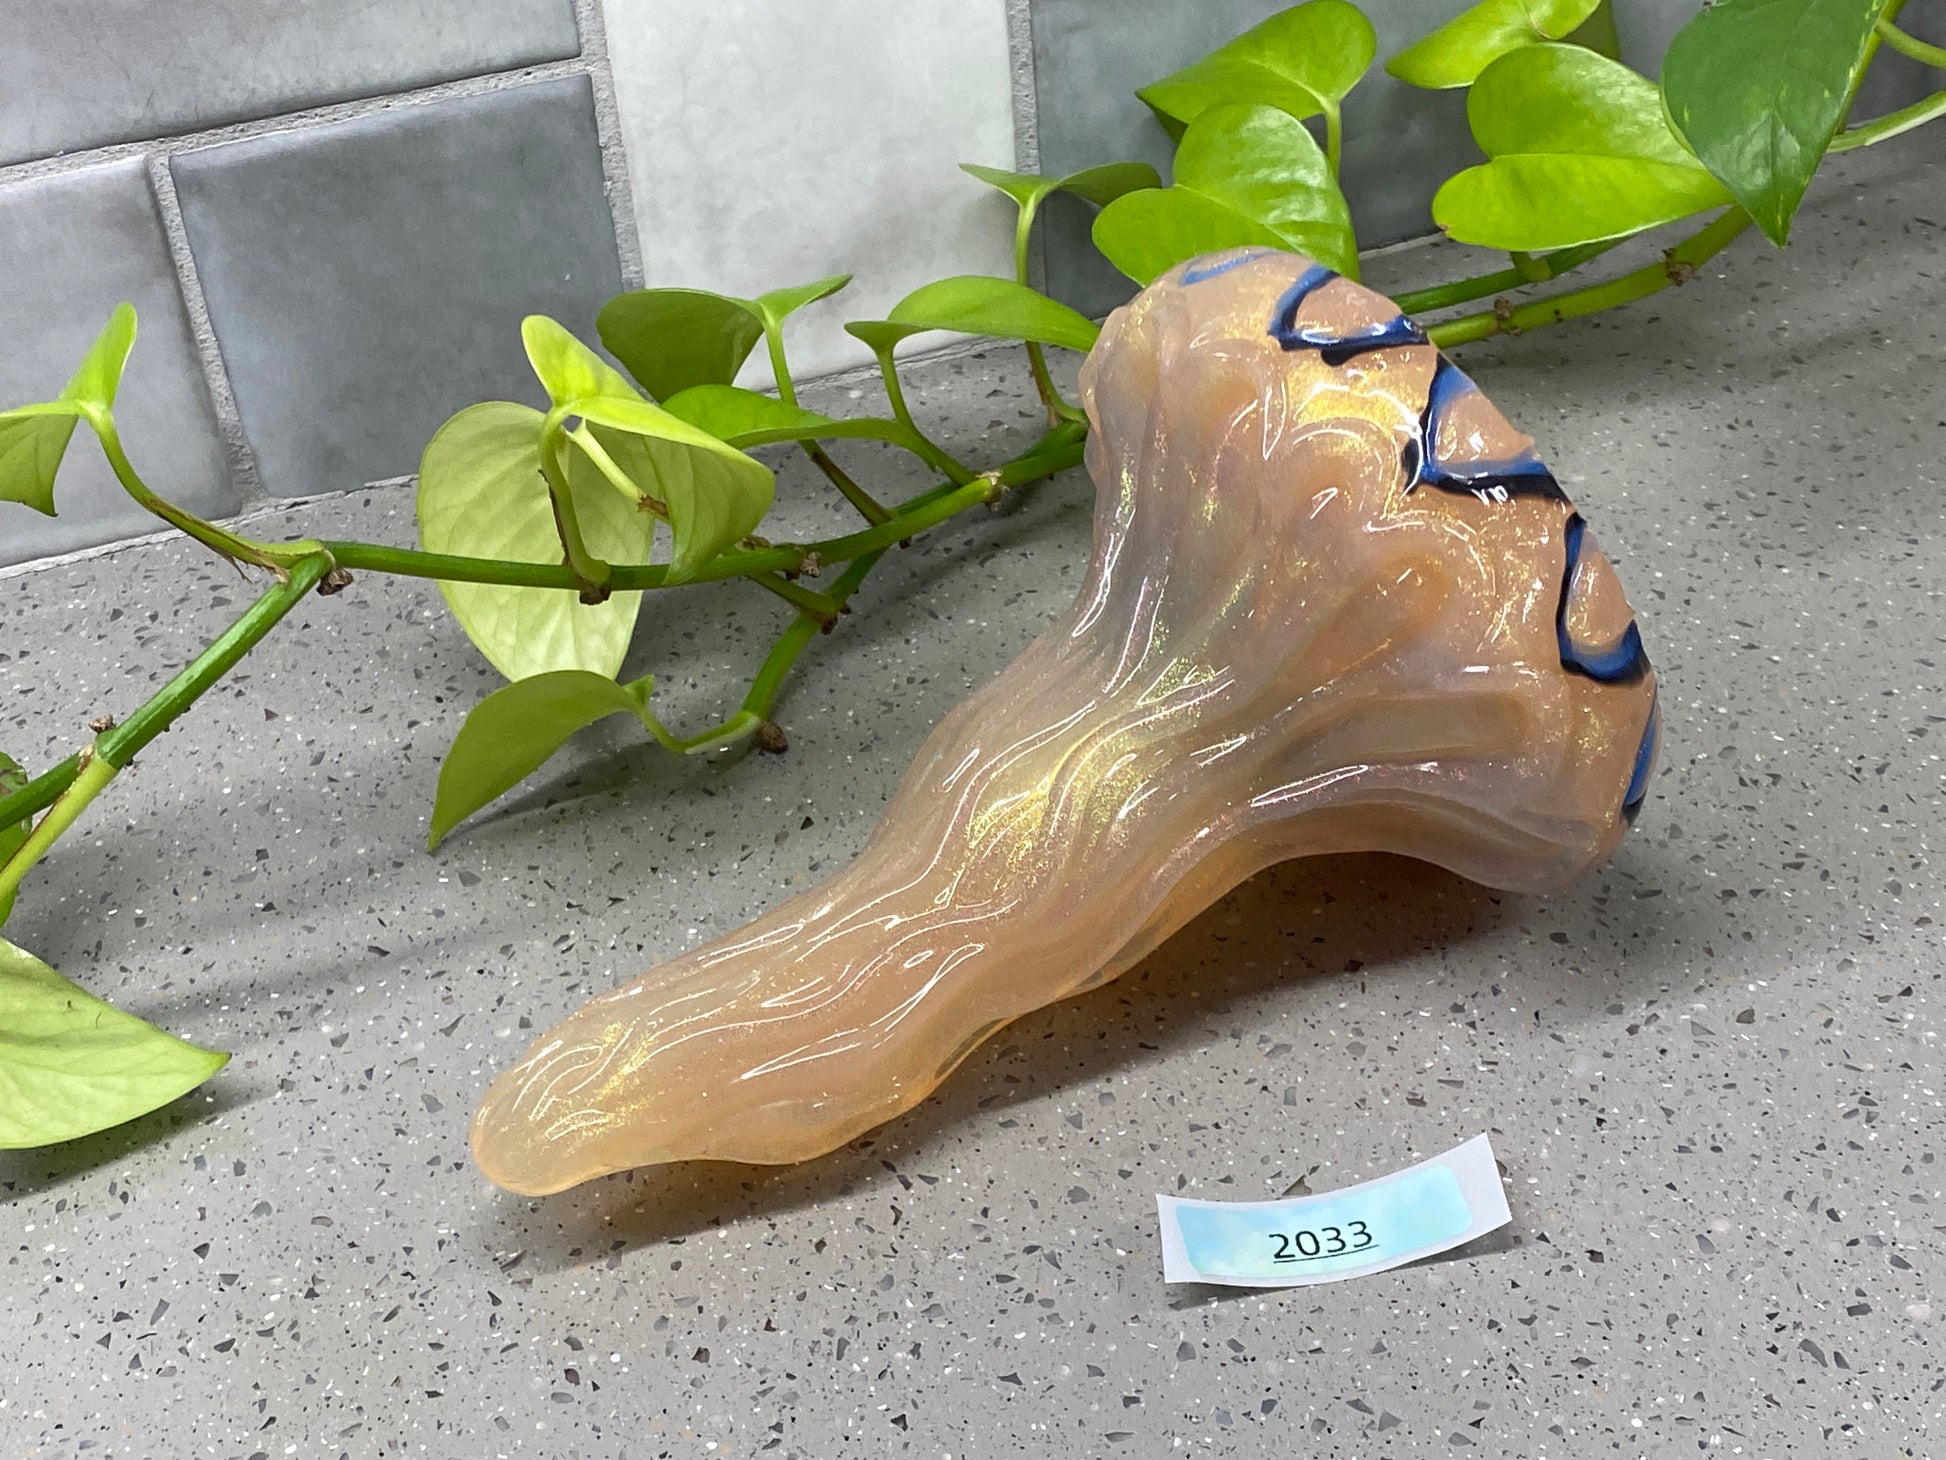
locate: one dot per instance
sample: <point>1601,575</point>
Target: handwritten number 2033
<point>1304,1245</point>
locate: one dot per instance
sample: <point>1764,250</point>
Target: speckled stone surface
<point>1711,1070</point>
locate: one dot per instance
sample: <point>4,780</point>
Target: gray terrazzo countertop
<point>1711,1070</point>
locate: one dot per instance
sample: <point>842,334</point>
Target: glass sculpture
<point>1336,603</point>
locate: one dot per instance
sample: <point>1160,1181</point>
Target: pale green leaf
<point>568,369</point>
<point>1148,233</point>
<point>745,419</point>
<point>34,438</point>
<point>99,375</point>
<point>976,304</point>
<point>1098,185</point>
<point>1303,61</point>
<point>481,493</point>
<point>671,339</point>
<point>1466,45</point>
<point>71,1065</point>
<point>713,494</point>
<point>1245,175</point>
<point>1579,152</point>
<point>511,733</point>
<point>775,305</point>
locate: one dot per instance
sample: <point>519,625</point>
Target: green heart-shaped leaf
<point>1759,88</point>
<point>568,369</point>
<point>671,339</point>
<point>975,304</point>
<point>775,305</point>
<point>1098,185</point>
<point>481,494</point>
<point>1579,152</point>
<point>1244,175</point>
<point>713,495</point>
<point>1302,61</point>
<point>745,419</point>
<point>1467,44</point>
<point>1151,232</point>
<point>735,415</point>
<point>511,733</point>
<point>12,779</point>
<point>71,1065</point>
<point>99,375</point>
<point>34,438</point>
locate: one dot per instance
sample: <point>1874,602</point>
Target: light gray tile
<point>367,279</point>
<point>82,73</point>
<point>771,144</point>
<point>74,246</point>
<point>1090,55</point>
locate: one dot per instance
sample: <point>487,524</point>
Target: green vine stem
<point>934,456</point>
<point>591,574</point>
<point>221,541</point>
<point>1910,45</point>
<point>820,606</point>
<point>1892,124</point>
<point>83,776</point>
<point>1677,266</point>
<point>868,506</point>
<point>1541,268</point>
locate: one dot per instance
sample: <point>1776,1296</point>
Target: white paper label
<point>1427,1208</point>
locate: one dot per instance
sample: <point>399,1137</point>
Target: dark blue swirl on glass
<point>1623,662</point>
<point>1525,475</point>
<point>1335,349</point>
<point>1638,780</point>
<point>1195,275</point>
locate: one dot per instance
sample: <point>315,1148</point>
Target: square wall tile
<point>1091,55</point>
<point>75,246</point>
<point>773,143</point>
<point>368,278</point>
<point>83,73</point>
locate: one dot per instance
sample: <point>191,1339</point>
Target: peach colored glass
<point>1335,604</point>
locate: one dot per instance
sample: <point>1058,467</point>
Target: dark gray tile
<point>367,279</point>
<point>82,73</point>
<point>75,246</point>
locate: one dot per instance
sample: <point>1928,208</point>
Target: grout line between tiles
<point>593,24</point>
<point>339,111</point>
<point>1027,118</point>
<point>237,453</point>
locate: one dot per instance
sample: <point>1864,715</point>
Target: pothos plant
<point>545,529</point>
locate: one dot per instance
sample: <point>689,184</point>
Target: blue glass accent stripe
<point>1195,274</point>
<point>1623,662</point>
<point>1521,476</point>
<point>1638,780</point>
<point>1333,349</point>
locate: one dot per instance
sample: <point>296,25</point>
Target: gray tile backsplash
<point>368,278</point>
<point>338,282</point>
<point>73,247</point>
<point>82,73</point>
